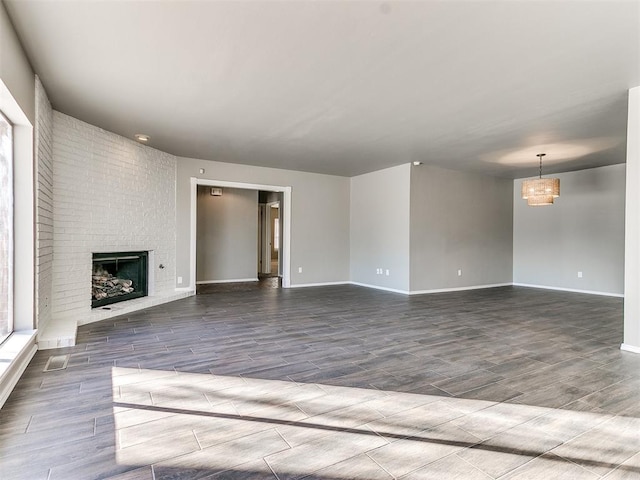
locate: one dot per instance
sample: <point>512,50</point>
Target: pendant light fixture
<point>540,191</point>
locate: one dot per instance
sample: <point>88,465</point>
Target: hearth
<point>118,276</point>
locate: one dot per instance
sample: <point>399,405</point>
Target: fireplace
<point>117,277</point>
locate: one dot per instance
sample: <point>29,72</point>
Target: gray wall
<point>582,231</point>
<point>319,216</point>
<point>459,221</point>
<point>15,69</point>
<point>380,227</point>
<point>227,243</point>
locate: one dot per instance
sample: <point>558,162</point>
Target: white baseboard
<point>459,289</point>
<point>574,290</point>
<point>452,289</point>
<point>233,280</point>
<point>435,290</point>
<point>18,350</point>
<point>321,284</point>
<point>378,287</point>
<point>629,348</point>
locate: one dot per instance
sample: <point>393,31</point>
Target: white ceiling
<point>347,87</point>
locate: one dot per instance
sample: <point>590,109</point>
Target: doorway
<point>269,235</point>
<point>279,215</point>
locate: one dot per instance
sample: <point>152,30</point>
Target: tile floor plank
<point>335,382</point>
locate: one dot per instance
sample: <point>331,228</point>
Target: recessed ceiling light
<point>141,137</point>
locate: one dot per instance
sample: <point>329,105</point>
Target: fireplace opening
<point>117,277</point>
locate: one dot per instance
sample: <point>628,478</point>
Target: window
<point>6,228</point>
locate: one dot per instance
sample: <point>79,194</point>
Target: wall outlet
<point>459,272</point>
<point>299,269</point>
<point>179,280</point>
<point>386,272</point>
<point>579,274</point>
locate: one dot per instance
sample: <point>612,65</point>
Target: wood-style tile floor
<point>335,383</point>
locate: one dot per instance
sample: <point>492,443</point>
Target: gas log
<point>105,285</point>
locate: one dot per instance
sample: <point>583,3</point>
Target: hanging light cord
<point>540,155</point>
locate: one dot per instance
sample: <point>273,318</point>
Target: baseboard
<point>321,284</point>
<point>574,290</point>
<point>233,280</point>
<point>184,289</point>
<point>459,289</point>
<point>435,290</point>
<point>629,348</point>
<point>456,289</point>
<point>17,351</point>
<point>378,287</point>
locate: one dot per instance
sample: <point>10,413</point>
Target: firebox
<point>117,277</point>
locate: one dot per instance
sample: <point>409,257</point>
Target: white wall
<point>110,194</point>
<point>632,227</point>
<point>380,206</point>
<point>459,221</point>
<point>319,216</point>
<point>44,205</point>
<point>583,231</point>
<point>227,226</point>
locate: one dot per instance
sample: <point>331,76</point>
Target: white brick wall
<point>44,205</point>
<point>109,194</point>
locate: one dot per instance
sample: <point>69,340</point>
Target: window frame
<point>9,320</point>
<point>24,235</point>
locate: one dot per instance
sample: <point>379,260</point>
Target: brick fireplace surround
<point>97,192</point>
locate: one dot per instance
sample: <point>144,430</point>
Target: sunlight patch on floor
<point>215,423</point>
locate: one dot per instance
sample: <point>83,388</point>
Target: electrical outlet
<point>387,272</point>
<point>299,269</point>
<point>459,272</point>
<point>179,280</point>
<point>579,274</point>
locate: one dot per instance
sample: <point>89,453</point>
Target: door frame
<point>269,232</point>
<point>285,214</point>
<point>260,246</point>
